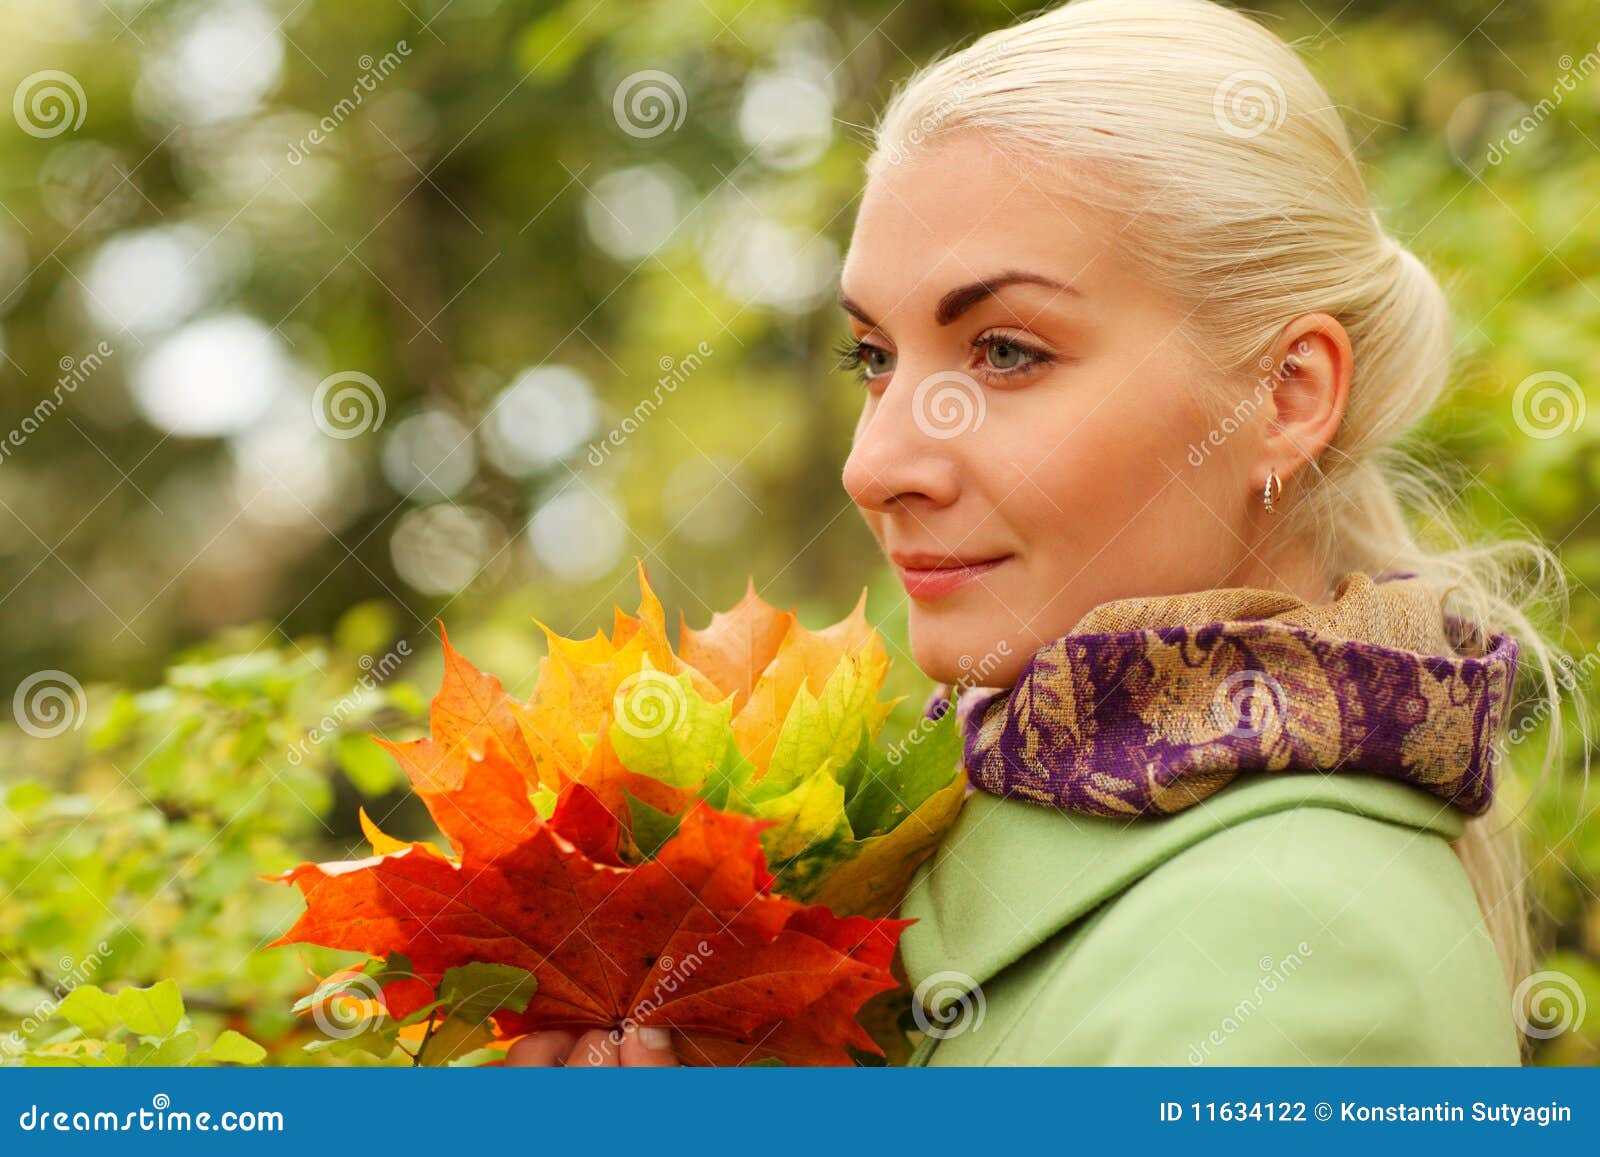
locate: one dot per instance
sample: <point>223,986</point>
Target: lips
<point>933,576</point>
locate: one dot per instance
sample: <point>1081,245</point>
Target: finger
<point>594,1049</point>
<point>540,1049</point>
<point>650,1046</point>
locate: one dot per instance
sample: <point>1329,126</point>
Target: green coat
<point>1288,919</point>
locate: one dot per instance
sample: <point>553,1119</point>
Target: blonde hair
<point>1240,194</point>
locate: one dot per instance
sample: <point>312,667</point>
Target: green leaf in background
<point>471,993</point>
<point>175,1050</point>
<point>379,1041</point>
<point>90,1009</point>
<point>475,990</point>
<point>86,1054</point>
<point>370,768</point>
<point>150,1024</point>
<point>153,1011</point>
<point>232,1048</point>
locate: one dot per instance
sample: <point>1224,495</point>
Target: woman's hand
<point>640,1047</point>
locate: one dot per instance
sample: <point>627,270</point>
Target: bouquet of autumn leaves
<point>705,839</point>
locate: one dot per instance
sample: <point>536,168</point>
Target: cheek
<point>1104,503</point>
<point>1068,476</point>
<point>875,522</point>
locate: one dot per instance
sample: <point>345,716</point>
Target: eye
<point>876,361</point>
<point>868,361</point>
<point>1004,356</point>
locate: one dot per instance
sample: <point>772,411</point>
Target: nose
<point>905,452</point>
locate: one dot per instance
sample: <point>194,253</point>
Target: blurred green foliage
<point>480,220</point>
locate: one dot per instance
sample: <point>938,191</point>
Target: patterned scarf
<point>1150,705</point>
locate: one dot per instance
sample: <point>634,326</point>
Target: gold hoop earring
<point>1271,491</point>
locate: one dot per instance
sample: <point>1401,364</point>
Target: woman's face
<point>1031,413</point>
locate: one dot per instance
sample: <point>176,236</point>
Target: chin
<point>949,650</point>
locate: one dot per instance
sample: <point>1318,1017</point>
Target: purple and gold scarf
<point>1150,705</point>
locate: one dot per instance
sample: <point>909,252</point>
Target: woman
<point>1137,355</point>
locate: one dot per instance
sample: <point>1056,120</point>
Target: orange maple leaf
<point>693,940</point>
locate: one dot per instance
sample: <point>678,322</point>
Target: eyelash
<point>851,353</point>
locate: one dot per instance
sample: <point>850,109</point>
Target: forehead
<point>965,208</point>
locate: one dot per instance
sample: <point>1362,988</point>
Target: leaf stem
<point>427,1035</point>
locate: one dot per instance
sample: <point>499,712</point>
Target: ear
<point>1311,364</point>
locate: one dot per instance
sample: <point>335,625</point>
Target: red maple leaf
<point>693,940</point>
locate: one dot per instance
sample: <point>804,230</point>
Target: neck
<point>1288,568</point>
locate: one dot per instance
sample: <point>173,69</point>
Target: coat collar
<point>1011,874</point>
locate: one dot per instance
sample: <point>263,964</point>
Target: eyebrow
<point>962,298</point>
